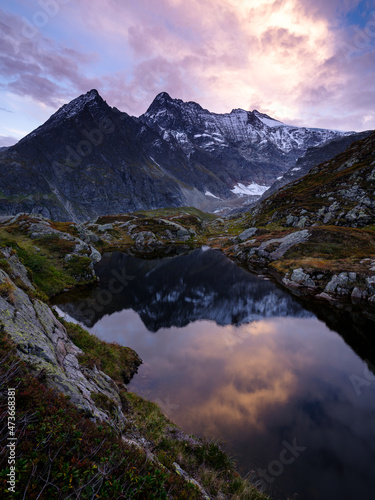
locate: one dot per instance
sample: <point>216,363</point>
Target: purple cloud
<point>289,58</point>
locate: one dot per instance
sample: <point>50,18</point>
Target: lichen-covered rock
<point>248,233</point>
<point>95,256</point>
<point>18,269</point>
<point>144,238</point>
<point>105,227</point>
<point>302,278</point>
<point>358,295</point>
<point>370,283</point>
<point>340,284</point>
<point>301,223</point>
<point>43,343</point>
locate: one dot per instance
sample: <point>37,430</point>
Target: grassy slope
<point>335,245</point>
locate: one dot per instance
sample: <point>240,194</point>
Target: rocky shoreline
<point>345,289</point>
<point>65,358</point>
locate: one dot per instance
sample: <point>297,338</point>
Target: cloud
<point>7,141</point>
<point>301,61</point>
<point>39,67</point>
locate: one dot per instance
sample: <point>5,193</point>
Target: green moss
<point>118,362</point>
<point>78,266</point>
<point>202,459</point>
<point>105,403</point>
<point>44,259</point>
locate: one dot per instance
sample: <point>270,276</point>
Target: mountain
<point>90,159</point>
<point>316,235</point>
<point>338,192</point>
<point>314,156</point>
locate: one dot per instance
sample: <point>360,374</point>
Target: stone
<point>325,296</point>
<point>356,295</point>
<point>370,283</point>
<point>302,278</point>
<point>285,244</point>
<point>18,269</point>
<point>301,222</point>
<point>144,238</point>
<point>248,233</point>
<point>321,212</point>
<point>338,284</point>
<point>104,227</point>
<point>328,216</point>
<point>95,256</point>
<point>290,220</point>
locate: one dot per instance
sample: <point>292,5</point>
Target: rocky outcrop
<point>271,249</point>
<point>314,156</point>
<point>339,192</point>
<point>43,343</point>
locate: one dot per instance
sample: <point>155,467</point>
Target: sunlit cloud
<point>288,58</point>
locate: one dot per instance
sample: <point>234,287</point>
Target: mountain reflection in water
<point>179,290</point>
<point>237,359</point>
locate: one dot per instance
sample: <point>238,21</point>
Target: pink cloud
<point>287,58</point>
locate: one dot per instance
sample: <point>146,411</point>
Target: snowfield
<point>250,190</point>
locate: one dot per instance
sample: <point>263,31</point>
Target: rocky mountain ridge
<point>90,159</point>
<point>314,156</point>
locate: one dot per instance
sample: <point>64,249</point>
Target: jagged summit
<point>77,105</point>
<point>268,120</point>
<point>176,154</point>
<point>74,108</point>
<point>164,102</point>
<point>163,96</point>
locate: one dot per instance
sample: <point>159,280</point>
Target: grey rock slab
<point>338,284</point>
<point>18,269</point>
<point>248,233</point>
<point>286,243</point>
<point>43,343</point>
<point>95,256</point>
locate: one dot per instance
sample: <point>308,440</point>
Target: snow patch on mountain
<point>207,193</point>
<point>267,120</point>
<point>250,190</point>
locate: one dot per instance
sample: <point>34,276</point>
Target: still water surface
<point>231,356</point>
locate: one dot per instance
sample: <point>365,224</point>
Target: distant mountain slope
<point>314,156</point>
<point>90,159</point>
<point>244,146</point>
<point>339,192</point>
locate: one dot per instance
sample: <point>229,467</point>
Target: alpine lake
<point>288,387</point>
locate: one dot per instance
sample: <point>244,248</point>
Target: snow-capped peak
<point>267,120</point>
<point>79,103</point>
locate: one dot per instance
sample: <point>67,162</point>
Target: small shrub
<point>7,290</point>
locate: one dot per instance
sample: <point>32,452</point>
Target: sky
<point>304,62</point>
